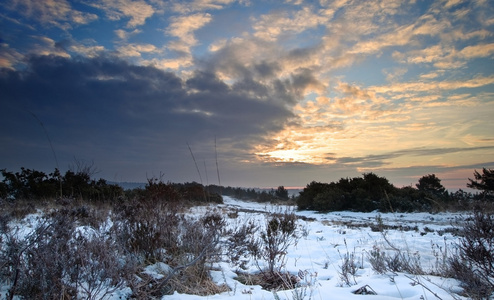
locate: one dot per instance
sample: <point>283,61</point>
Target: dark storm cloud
<point>267,69</point>
<point>304,79</point>
<point>264,79</point>
<point>207,82</point>
<point>112,112</point>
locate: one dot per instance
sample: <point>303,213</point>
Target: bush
<point>329,200</point>
<point>56,261</point>
<point>474,264</point>
<point>279,234</point>
<point>310,192</point>
<point>269,245</point>
<point>68,256</point>
<point>146,229</point>
<point>241,245</point>
<point>159,232</point>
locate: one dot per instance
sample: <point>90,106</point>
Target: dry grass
<point>17,209</point>
<point>196,281</point>
<point>269,281</point>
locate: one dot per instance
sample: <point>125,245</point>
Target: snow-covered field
<point>325,240</point>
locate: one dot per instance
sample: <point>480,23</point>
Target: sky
<point>263,93</point>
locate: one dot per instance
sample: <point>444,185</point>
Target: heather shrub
<point>56,261</point>
<point>377,259</point>
<point>65,256</point>
<point>146,230</point>
<point>161,233</point>
<point>474,264</point>
<point>266,246</point>
<point>279,234</point>
<point>40,260</point>
<point>241,245</point>
<point>97,266</point>
<point>18,209</point>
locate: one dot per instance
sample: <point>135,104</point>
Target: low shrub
<point>474,263</point>
<point>267,246</point>
<point>278,235</point>
<point>70,254</point>
<point>241,245</point>
<point>56,261</point>
<point>160,232</point>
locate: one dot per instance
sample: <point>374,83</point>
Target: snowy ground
<point>325,239</point>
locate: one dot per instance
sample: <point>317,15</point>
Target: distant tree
<point>483,182</point>
<point>281,193</point>
<point>28,184</point>
<point>331,199</point>
<point>462,198</point>
<point>431,184</point>
<point>405,199</point>
<point>371,192</point>
<point>76,185</point>
<point>375,186</point>
<point>265,196</point>
<point>306,198</point>
<point>32,184</point>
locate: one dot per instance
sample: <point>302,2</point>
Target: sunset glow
<point>291,91</point>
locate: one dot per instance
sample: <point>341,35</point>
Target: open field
<point>337,255</point>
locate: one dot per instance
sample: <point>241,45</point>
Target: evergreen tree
<point>431,184</point>
<point>483,182</point>
<point>281,193</point>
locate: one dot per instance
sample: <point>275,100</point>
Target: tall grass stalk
<point>197,168</point>
<point>51,147</point>
<point>216,157</point>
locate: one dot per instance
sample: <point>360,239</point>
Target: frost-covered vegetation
<point>188,241</point>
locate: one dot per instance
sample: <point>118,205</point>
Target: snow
<point>327,237</point>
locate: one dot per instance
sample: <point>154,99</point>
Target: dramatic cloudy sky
<point>289,91</point>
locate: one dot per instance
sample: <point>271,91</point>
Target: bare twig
<point>416,281</point>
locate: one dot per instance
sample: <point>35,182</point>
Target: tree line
<point>30,184</point>
<point>33,184</point>
<point>367,193</point>
<point>371,192</point>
